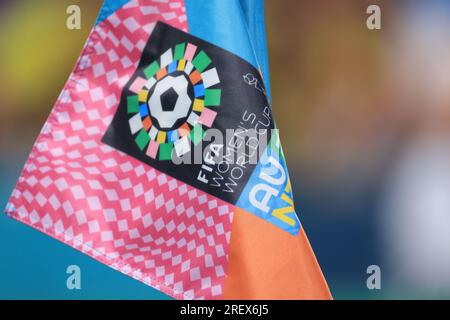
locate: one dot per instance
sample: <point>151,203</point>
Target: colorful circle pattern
<point>195,64</point>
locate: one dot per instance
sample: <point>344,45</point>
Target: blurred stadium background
<point>365,123</point>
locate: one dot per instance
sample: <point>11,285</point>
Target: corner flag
<point>158,83</point>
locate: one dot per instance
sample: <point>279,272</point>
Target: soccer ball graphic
<point>170,102</point>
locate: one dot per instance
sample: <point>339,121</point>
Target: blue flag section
<point>108,8</point>
<point>235,25</point>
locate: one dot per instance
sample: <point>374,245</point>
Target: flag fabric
<point>154,78</point>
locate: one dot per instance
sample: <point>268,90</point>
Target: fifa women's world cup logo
<point>171,102</point>
<point>184,89</point>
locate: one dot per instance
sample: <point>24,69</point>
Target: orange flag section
<point>268,263</point>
